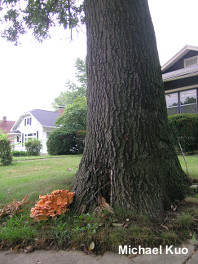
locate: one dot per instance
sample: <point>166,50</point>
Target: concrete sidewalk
<point>78,257</point>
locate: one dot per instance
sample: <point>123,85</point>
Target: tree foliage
<point>38,15</point>
<point>69,138</point>
<point>74,116</point>
<point>74,99</point>
<point>73,90</point>
<point>81,73</point>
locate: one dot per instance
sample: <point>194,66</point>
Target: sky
<point>33,74</point>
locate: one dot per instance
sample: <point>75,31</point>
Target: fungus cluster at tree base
<point>51,205</point>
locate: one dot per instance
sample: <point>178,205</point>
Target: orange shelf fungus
<point>51,205</point>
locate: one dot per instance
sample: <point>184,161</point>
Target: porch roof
<point>17,132</point>
<point>181,73</point>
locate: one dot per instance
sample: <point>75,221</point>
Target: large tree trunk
<point>128,157</point>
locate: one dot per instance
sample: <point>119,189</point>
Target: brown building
<point>5,126</point>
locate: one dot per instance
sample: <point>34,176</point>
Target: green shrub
<point>17,153</point>
<point>80,138</point>
<point>33,147</point>
<point>61,143</point>
<point>184,127</point>
<point>5,150</point>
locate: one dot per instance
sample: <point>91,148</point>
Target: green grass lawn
<point>41,175</point>
<point>192,163</point>
<point>36,176</point>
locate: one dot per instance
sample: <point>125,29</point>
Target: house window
<point>30,136</point>
<point>188,101</point>
<point>18,139</point>
<point>28,121</point>
<point>190,61</point>
<point>172,103</point>
<point>182,102</point>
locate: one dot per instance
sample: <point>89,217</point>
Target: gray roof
<point>178,56</point>
<point>181,73</point>
<point>45,118</point>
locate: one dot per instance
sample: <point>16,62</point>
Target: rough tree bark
<point>128,152</point>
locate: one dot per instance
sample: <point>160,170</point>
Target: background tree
<point>73,119</point>
<point>189,100</point>
<point>74,116</point>
<point>128,158</point>
<point>73,90</point>
<point>81,73</point>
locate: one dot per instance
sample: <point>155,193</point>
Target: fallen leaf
<point>165,227</point>
<point>103,215</point>
<point>173,207</point>
<point>91,246</point>
<point>29,249</point>
<point>17,247</point>
<point>117,224</point>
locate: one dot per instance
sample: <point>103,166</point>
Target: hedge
<point>5,150</point>
<point>61,143</point>
<point>184,127</point>
<point>17,153</point>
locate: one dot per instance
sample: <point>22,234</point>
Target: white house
<point>34,124</point>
